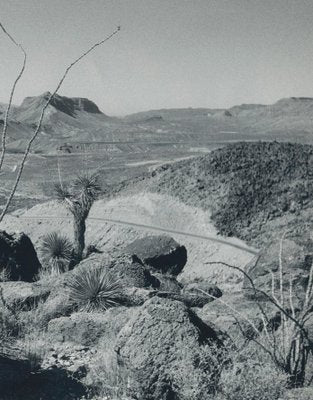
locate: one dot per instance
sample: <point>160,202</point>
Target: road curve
<point>211,238</point>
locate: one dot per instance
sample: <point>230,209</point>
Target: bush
<point>197,379</point>
<point>251,380</point>
<point>56,251</point>
<point>107,379</point>
<point>93,289</point>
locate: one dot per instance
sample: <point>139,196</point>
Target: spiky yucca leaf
<point>57,251</point>
<point>93,289</point>
<point>87,189</point>
<point>61,192</point>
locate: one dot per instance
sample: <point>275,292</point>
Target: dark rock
<point>129,273</point>
<point>51,384</point>
<point>18,257</point>
<point>167,283</point>
<point>132,273</point>
<point>162,336</point>
<point>13,372</point>
<point>159,253</point>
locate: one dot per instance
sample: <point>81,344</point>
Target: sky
<point>168,54</point>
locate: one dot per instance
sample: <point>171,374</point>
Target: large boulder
<point>18,258</point>
<point>159,253</point>
<point>161,338</point>
<point>167,283</point>
<point>23,295</point>
<point>86,329</point>
<point>13,372</point>
<point>296,261</point>
<point>130,273</point>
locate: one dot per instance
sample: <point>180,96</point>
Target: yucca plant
<point>57,252</point>
<point>93,290</point>
<point>79,197</point>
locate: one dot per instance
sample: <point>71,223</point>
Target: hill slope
<point>246,186</point>
<point>151,210</point>
<point>80,120</point>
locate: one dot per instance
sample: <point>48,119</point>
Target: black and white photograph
<point>156,200</point>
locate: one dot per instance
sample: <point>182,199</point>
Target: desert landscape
<point>164,254</point>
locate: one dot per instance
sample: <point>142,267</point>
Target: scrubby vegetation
<point>114,345</point>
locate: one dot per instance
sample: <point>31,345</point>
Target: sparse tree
<point>78,198</point>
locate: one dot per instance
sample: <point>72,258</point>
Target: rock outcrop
<point>161,337</point>
<point>23,295</point>
<point>18,258</point>
<point>159,253</point>
<point>87,329</point>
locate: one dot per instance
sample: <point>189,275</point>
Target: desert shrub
<point>93,289</point>
<point>250,379</point>
<point>4,275</point>
<point>34,349</point>
<point>56,251</point>
<point>197,379</point>
<point>107,379</point>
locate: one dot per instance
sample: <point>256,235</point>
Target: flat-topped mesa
<point>64,104</point>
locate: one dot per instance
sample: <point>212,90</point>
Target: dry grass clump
<point>107,378</point>
<point>250,378</point>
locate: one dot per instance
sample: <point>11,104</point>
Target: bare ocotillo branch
<point>21,167</point>
<point>6,118</point>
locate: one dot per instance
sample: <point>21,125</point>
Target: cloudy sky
<point>169,53</point>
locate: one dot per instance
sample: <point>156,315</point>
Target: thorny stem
<point>51,96</point>
<point>300,326</point>
<point>8,108</point>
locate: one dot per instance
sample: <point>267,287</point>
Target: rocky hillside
<point>252,189</point>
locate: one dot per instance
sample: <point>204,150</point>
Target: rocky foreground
<point>164,339</point>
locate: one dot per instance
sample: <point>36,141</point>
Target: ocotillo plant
<point>290,344</point>
<point>42,113</point>
<point>78,198</point>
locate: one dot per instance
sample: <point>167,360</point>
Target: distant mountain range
<point>79,120</point>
